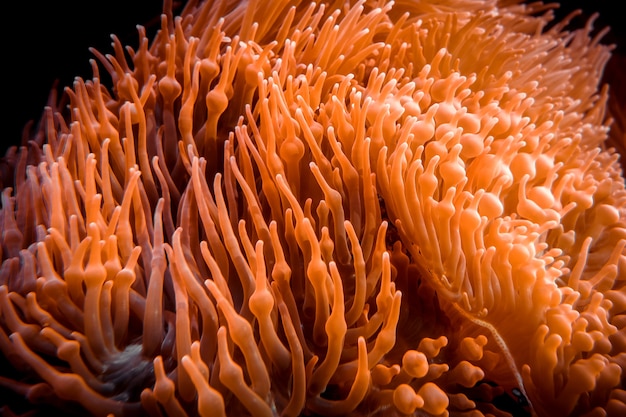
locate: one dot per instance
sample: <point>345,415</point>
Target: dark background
<point>49,40</point>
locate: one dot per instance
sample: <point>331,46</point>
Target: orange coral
<point>371,208</point>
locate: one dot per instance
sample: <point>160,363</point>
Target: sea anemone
<point>334,208</point>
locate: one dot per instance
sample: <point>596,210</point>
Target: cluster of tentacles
<point>335,208</point>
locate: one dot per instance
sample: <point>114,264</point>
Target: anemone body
<point>334,208</point>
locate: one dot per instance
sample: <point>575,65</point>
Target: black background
<point>49,40</point>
